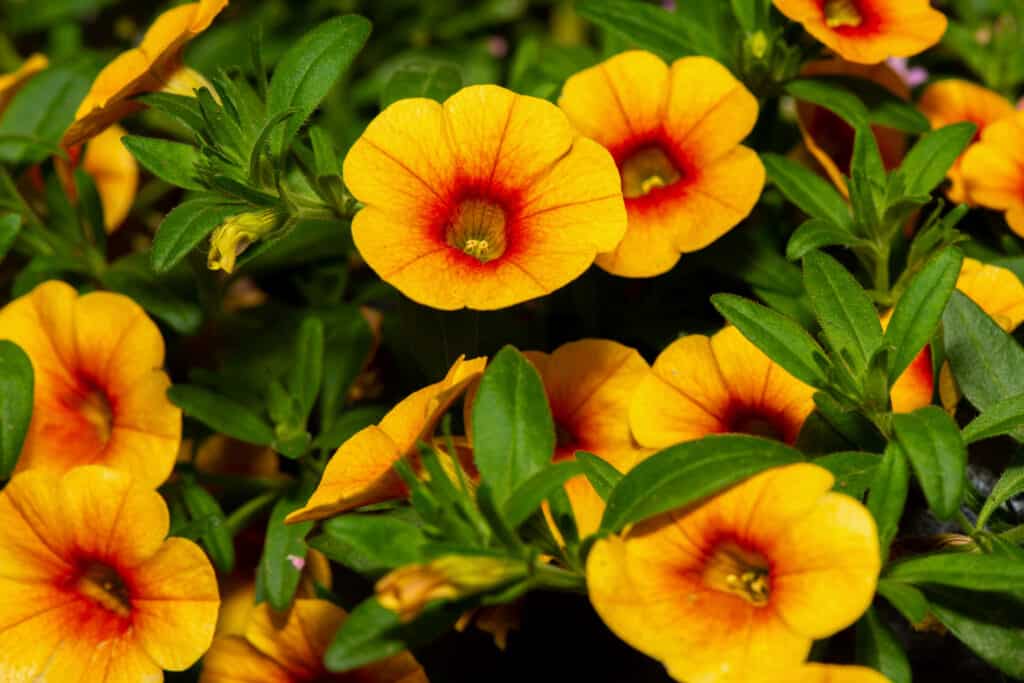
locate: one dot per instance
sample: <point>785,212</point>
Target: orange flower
<point>996,290</point>
<point>361,471</point>
<point>589,385</point>
<point>115,172</point>
<point>953,101</point>
<point>10,83</point>
<point>711,385</point>
<point>829,138</point>
<point>675,134</point>
<point>739,586</point>
<point>483,202</point>
<point>154,65</point>
<point>826,673</point>
<point>92,586</point>
<point>292,652</point>
<point>100,395</point>
<point>868,31</point>
<point>993,170</point>
<point>916,386</point>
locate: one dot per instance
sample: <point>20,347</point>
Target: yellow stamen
<point>842,13</point>
<point>104,586</point>
<point>731,569</point>
<point>478,230</point>
<point>647,169</point>
<point>95,408</point>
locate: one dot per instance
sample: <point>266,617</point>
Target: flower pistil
<point>478,228</point>
<point>840,13</point>
<point>732,569</point>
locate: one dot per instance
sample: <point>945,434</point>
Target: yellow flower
<point>953,101</point>
<point>100,393</point>
<point>10,83</point>
<point>916,386</point>
<point>738,587</point>
<point>711,385</point>
<point>154,65</point>
<point>674,133</point>
<point>291,650</point>
<point>483,202</point>
<point>236,235</point>
<point>868,31</point>
<point>91,584</point>
<point>116,174</point>
<point>826,673</point>
<point>361,471</point>
<point>996,290</point>
<point>993,170</point>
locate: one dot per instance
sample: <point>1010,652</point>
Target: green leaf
<point>170,161</point>
<point>10,226</point>
<point>667,34</point>
<point>184,228</point>
<point>888,494</point>
<point>844,310</point>
<point>931,440</point>
<point>17,386</point>
<point>513,432</point>
<point>133,277</point>
<point>433,80</point>
<point>927,162</point>
<point>987,362</point>
<point>528,496</point>
<point>310,68</point>
<point>750,13</point>
<point>307,370</point>
<point>216,538</point>
<point>371,544</point>
<point>781,338</point>
<point>601,474</point>
<point>278,575</point>
<point>991,624</point>
<point>682,474</point>
<point>1002,417</point>
<point>910,602</point>
<point>1009,485</point>
<point>184,108</point>
<point>853,470</point>
<point>974,571</point>
<point>878,648</point>
<point>919,310</point>
<point>221,414</point>
<point>348,342</point>
<point>831,94</point>
<point>816,233</point>
<point>814,195</point>
<point>326,160</point>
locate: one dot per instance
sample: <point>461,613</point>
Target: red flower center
<point>756,422</point>
<point>733,569</point>
<point>839,13</point>
<point>101,584</point>
<point>647,169</point>
<point>478,228</point>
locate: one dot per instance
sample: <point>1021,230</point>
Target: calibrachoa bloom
<point>993,170</point>
<point>869,31</point>
<point>829,138</point>
<point>590,384</point>
<point>998,291</point>
<point>826,673</point>
<point>710,385</point>
<point>92,587</point>
<point>675,133</point>
<point>100,393</point>
<point>11,82</point>
<point>483,202</point>
<point>955,100</point>
<point>361,471</point>
<point>290,649</point>
<point>916,386</point>
<point>155,65</point>
<point>116,174</point>
<point>740,585</point>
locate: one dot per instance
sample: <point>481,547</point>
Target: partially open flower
<point>954,100</point>
<point>91,584</point>
<point>993,170</point>
<point>11,82</point>
<point>737,587</point>
<point>361,471</point>
<point>712,385</point>
<point>116,174</point>
<point>292,651</point>
<point>155,65</point>
<point>483,202</point>
<point>916,386</point>
<point>675,134</point>
<point>869,31</point>
<point>237,234</point>
<point>100,393</point>
<point>829,138</point>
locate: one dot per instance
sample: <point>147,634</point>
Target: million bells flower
<point>739,586</point>
<point>483,202</point>
<point>674,133</point>
<point>92,588</point>
<point>993,170</point>
<point>100,393</point>
<point>868,31</point>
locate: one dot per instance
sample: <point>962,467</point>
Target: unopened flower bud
<point>236,234</point>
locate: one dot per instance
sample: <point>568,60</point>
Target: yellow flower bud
<point>236,234</point>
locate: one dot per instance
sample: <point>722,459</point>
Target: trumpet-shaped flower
<point>92,587</point>
<point>483,202</point>
<point>829,138</point>
<point>993,170</point>
<point>737,587</point>
<point>155,65</point>
<point>100,393</point>
<point>954,100</point>
<point>869,31</point>
<point>361,471</point>
<point>291,650</point>
<point>675,134</point>
<point>711,385</point>
<point>11,82</point>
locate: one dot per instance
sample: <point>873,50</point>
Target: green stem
<point>546,576</point>
<point>881,274</point>
<point>238,519</point>
<point>964,523</point>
